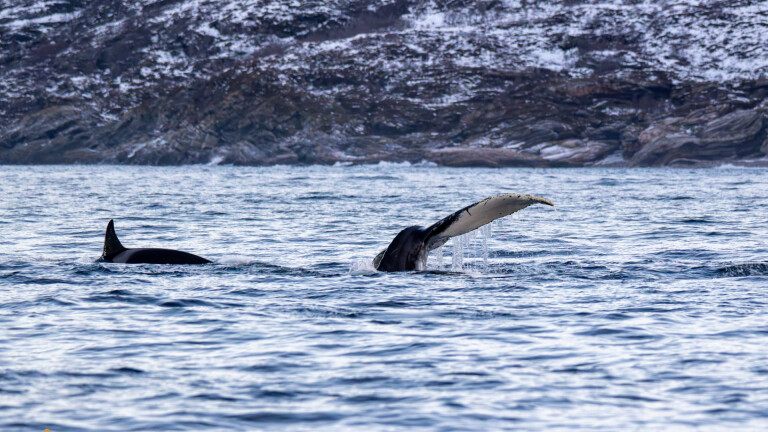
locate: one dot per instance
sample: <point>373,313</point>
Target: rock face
<point>687,140</point>
<point>458,83</point>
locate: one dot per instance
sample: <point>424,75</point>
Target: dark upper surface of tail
<point>112,245</point>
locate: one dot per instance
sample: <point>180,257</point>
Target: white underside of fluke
<point>482,213</point>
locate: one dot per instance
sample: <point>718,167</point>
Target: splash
<point>469,252</point>
<point>216,160</point>
<point>486,232</point>
<point>457,256</point>
<point>437,257</point>
<point>236,260</point>
<point>86,259</point>
<point>362,267</point>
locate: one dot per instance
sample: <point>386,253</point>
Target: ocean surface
<point>638,303</point>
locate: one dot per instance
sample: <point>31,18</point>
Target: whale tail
<point>478,214</point>
<point>414,244</point>
<point>112,245</point>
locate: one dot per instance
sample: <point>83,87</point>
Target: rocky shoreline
<point>360,85</point>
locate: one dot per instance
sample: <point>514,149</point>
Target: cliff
<point>458,83</point>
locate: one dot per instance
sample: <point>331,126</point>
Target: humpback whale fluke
<point>410,248</point>
<point>115,252</point>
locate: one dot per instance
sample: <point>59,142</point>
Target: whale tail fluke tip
<point>544,201</point>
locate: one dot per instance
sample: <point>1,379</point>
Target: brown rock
<point>654,132</point>
<point>630,142</point>
<point>736,134</point>
<point>484,157</point>
<point>576,152</point>
<point>241,153</point>
<point>46,136</point>
<point>666,148</point>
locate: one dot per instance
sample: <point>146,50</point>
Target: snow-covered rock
<point>299,81</point>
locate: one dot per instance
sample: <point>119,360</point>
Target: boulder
<point>666,148</point>
<point>47,135</point>
<point>576,152</point>
<point>739,133</point>
<point>483,157</point>
<point>45,124</point>
<point>725,137</point>
<point>630,142</point>
<point>654,132</point>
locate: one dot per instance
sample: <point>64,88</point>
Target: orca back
<point>157,256</point>
<point>115,252</point>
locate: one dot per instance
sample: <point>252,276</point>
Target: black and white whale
<point>115,252</point>
<point>410,248</point>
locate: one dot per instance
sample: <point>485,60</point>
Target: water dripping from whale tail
<point>437,256</point>
<point>471,245</point>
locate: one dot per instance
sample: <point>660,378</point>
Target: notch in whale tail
<point>112,245</point>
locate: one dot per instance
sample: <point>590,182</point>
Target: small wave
<point>215,160</point>
<point>236,260</point>
<point>422,163</point>
<point>123,296</point>
<point>85,259</point>
<point>190,302</point>
<point>317,196</point>
<point>394,164</point>
<point>696,220</point>
<point>127,370</point>
<point>326,312</point>
<point>747,269</point>
<point>362,267</point>
<point>425,163</point>
<point>368,177</point>
<point>730,166</point>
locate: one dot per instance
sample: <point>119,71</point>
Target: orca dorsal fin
<point>112,245</point>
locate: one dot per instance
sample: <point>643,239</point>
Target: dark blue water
<point>638,303</point>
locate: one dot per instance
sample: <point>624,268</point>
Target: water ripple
<point>638,304</point>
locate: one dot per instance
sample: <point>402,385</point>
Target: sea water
<point>639,303</point>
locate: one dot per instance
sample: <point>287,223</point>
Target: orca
<point>115,252</point>
<point>410,248</point>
